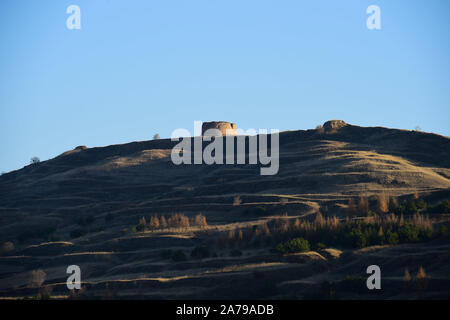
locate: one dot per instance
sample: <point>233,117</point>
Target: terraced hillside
<point>82,206</point>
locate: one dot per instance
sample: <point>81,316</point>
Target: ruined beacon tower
<point>225,128</point>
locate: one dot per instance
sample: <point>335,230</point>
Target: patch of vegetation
<point>411,207</point>
<point>177,220</point>
<point>320,246</point>
<point>349,233</point>
<point>7,248</point>
<point>293,245</point>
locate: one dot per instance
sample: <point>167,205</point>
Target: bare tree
<point>383,203</point>
<point>37,278</point>
<point>163,222</point>
<point>363,205</point>
<point>200,221</point>
<point>154,223</point>
<point>421,281</point>
<point>407,279</point>
<point>351,208</point>
<point>179,220</point>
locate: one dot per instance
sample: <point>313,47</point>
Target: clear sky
<point>142,67</point>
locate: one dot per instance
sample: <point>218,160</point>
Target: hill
<point>80,207</point>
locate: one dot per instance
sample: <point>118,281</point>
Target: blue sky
<point>140,67</point>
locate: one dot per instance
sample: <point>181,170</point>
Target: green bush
<point>409,233</point>
<point>421,204</point>
<point>357,238</point>
<point>391,237</point>
<point>321,246</point>
<point>410,207</point>
<point>293,245</point>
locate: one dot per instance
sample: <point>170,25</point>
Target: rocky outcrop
<point>333,125</point>
<point>226,128</point>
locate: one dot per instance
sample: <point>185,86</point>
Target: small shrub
<point>391,237</point>
<point>421,281</point>
<point>7,248</point>
<point>409,233</point>
<point>293,245</point>
<point>321,246</point>
<point>35,160</point>
<point>371,213</point>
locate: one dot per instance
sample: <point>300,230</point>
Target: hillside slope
<point>139,178</point>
